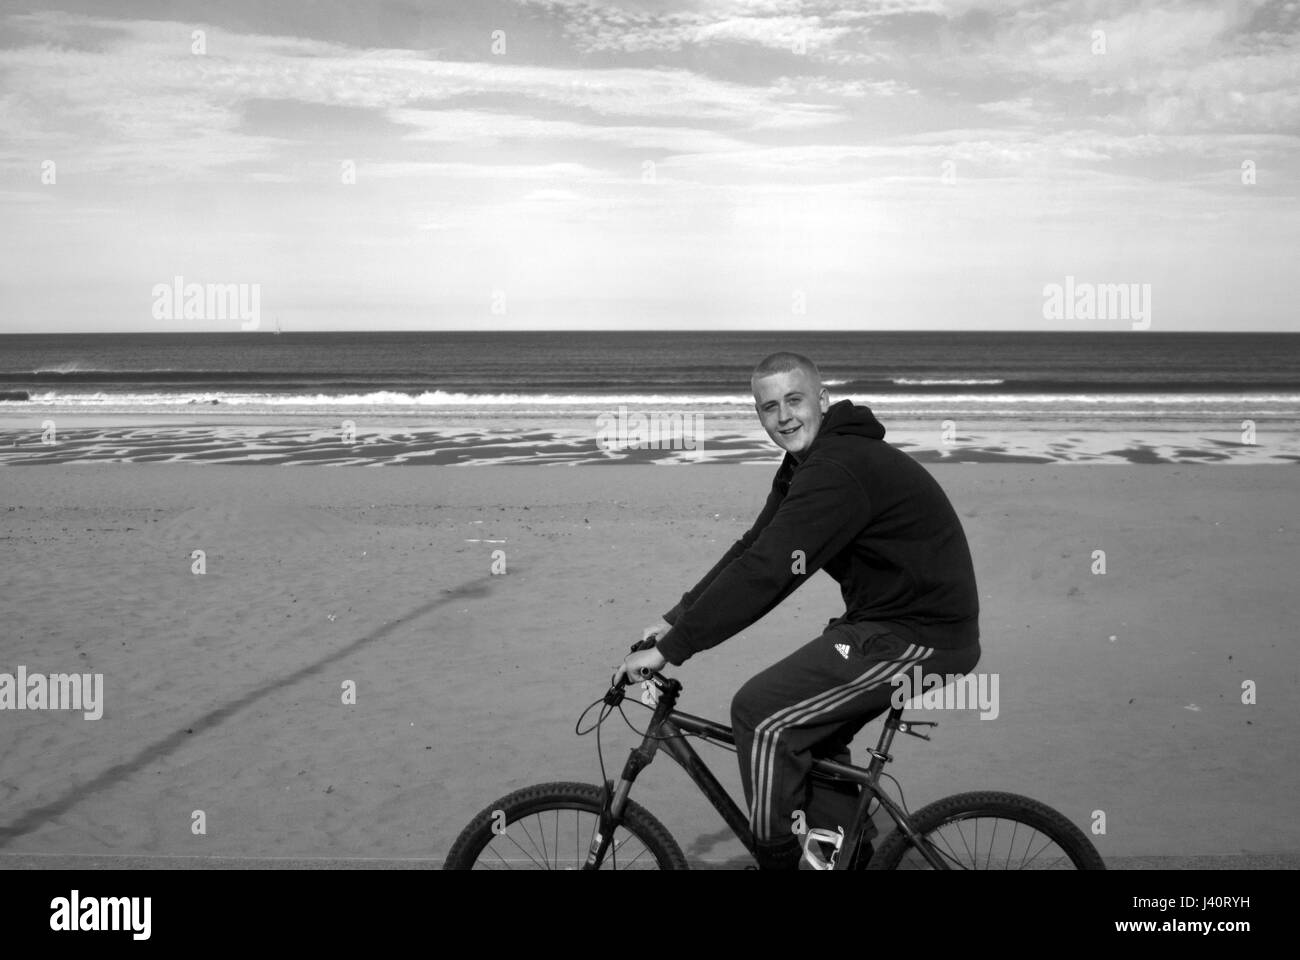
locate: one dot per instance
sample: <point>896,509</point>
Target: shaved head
<point>786,362</point>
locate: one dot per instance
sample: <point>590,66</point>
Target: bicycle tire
<point>580,798</point>
<point>893,853</point>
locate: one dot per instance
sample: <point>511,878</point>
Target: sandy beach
<point>1119,693</point>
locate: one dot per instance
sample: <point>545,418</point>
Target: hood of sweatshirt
<point>846,417</point>
<point>842,418</point>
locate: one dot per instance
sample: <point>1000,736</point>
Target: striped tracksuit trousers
<point>811,704</point>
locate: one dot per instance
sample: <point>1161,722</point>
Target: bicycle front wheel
<point>990,831</point>
<point>551,826</point>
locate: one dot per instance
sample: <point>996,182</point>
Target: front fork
<point>613,799</point>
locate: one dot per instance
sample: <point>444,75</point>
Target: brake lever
<point>906,726</point>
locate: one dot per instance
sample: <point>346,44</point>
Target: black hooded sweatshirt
<point>866,512</point>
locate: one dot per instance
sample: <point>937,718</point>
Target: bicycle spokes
<point>560,840</point>
<point>989,843</point>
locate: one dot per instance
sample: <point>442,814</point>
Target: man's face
<point>790,406</point>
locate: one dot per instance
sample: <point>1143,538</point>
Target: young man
<point>845,501</point>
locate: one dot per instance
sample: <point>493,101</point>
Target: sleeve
<point>824,511</point>
<point>774,498</point>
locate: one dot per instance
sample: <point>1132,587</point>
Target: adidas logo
<point>843,648</point>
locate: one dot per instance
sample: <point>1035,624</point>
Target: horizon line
<point>792,331</point>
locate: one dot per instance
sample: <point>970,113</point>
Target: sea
<point>667,398</point>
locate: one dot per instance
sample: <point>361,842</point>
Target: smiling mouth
<point>786,433</point>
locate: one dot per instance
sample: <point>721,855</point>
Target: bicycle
<point>924,840</point>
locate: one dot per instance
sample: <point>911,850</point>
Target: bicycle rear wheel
<point>550,827</point>
<point>990,831</point>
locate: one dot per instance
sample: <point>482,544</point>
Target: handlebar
<point>640,645</point>
<point>615,695</point>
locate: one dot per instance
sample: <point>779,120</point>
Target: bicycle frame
<point>668,729</point>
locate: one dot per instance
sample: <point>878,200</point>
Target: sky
<point>740,164</point>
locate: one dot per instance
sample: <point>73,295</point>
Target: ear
<point>824,400</point>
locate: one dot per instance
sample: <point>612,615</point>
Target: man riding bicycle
<point>845,501</point>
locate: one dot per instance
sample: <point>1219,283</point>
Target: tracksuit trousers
<point>811,704</point>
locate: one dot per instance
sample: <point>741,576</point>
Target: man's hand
<point>655,630</point>
<point>650,661</point>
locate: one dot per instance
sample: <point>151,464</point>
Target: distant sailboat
<point>277,326</point>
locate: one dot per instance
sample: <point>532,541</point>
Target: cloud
<point>483,171</point>
<point>768,162</point>
<point>144,104</point>
<point>793,34</point>
<point>482,126</point>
